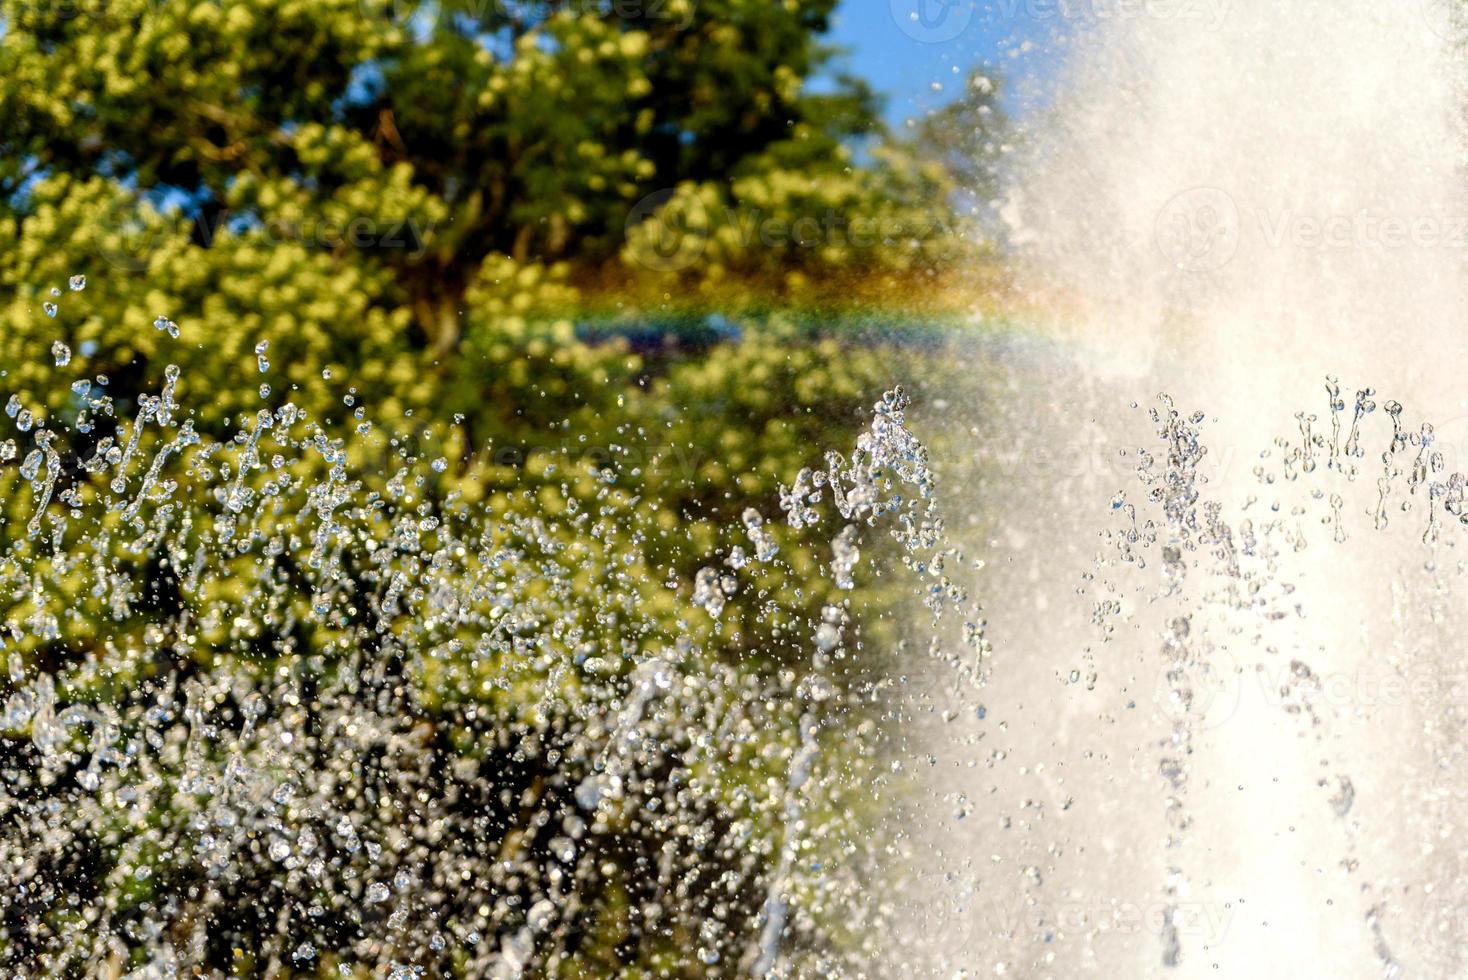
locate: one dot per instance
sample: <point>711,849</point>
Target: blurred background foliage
<point>532,238</point>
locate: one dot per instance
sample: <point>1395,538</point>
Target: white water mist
<point>1222,733</point>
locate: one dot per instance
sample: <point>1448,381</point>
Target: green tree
<point>417,139</point>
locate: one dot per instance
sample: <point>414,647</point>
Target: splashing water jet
<point>1223,734</point>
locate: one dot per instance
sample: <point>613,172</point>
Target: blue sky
<point>907,47</point>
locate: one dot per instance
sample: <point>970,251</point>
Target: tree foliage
<point>399,207</point>
<point>419,144</point>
